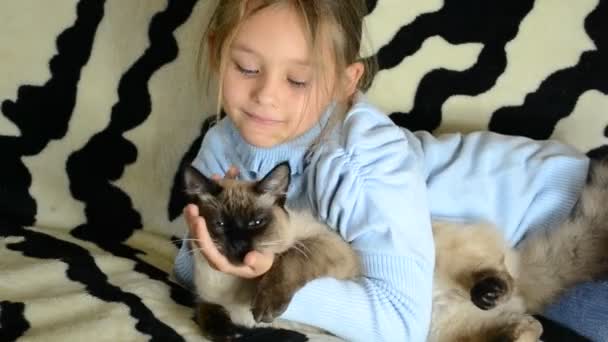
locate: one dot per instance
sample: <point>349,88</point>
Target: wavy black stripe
<point>492,23</point>
<point>557,95</point>
<point>111,218</point>
<point>12,321</point>
<point>371,5</point>
<point>42,113</point>
<point>216,325</point>
<point>598,153</point>
<point>178,199</point>
<point>81,267</point>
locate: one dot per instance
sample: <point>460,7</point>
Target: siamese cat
<point>484,290</point>
<point>245,216</point>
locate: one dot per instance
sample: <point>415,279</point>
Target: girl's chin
<point>263,139</point>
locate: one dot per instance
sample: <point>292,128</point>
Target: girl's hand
<point>255,263</point>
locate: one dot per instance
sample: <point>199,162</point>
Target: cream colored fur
<point>58,308</point>
<point>235,294</point>
<point>540,268</point>
<point>461,250</point>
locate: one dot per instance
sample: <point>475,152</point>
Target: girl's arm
<point>370,186</point>
<point>514,182</point>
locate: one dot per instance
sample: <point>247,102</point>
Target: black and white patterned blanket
<point>100,107</point>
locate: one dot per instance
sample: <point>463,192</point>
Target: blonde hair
<point>338,22</point>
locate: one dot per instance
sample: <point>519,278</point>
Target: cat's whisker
<point>301,244</point>
<point>302,252</point>
<point>194,250</point>
<point>186,240</point>
<point>298,247</point>
<point>271,243</point>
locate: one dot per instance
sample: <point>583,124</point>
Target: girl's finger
<point>192,220</point>
<point>254,265</point>
<point>190,210</point>
<point>232,173</point>
<point>250,259</point>
<point>210,251</point>
<point>258,263</point>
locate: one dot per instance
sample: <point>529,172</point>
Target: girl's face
<point>269,88</point>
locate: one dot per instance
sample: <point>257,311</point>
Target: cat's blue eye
<point>256,223</point>
<point>219,223</point>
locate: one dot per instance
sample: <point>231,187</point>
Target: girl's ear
<point>353,74</point>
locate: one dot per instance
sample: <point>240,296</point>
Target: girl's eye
<point>245,71</point>
<point>297,84</point>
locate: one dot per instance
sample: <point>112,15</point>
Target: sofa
<point>101,106</point>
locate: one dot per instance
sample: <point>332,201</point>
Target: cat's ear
<point>276,181</point>
<point>196,183</point>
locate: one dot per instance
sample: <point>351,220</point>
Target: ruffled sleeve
<point>369,185</point>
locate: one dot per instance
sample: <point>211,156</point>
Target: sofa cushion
<point>101,105</point>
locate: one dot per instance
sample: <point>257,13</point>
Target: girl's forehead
<point>279,32</point>
<point>274,30</point>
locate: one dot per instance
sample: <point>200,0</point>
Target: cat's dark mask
<point>240,215</point>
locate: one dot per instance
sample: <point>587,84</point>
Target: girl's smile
<point>262,119</point>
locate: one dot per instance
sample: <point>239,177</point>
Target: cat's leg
<point>215,323</point>
<point>216,326</point>
<point>508,328</point>
<point>523,329</point>
<point>575,252</point>
<point>528,329</point>
<point>490,288</point>
<point>315,257</point>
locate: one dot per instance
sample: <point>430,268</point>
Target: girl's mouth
<point>261,119</point>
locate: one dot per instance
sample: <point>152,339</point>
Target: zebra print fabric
<point>101,105</point>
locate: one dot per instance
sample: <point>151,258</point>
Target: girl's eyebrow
<point>246,49</point>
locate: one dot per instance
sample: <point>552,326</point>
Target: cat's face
<point>243,216</point>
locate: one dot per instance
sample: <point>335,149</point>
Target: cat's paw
<point>269,304</point>
<point>489,290</point>
<point>527,330</point>
<point>215,323</point>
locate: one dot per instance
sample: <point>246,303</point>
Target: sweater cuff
<point>563,189</point>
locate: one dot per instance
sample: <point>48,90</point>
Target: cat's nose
<point>240,248</point>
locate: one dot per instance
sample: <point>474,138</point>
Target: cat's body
<point>484,290</point>
<point>244,216</point>
<point>315,251</point>
<point>476,273</point>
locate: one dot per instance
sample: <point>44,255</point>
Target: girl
<point>294,92</point>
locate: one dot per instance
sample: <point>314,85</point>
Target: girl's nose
<point>266,91</point>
